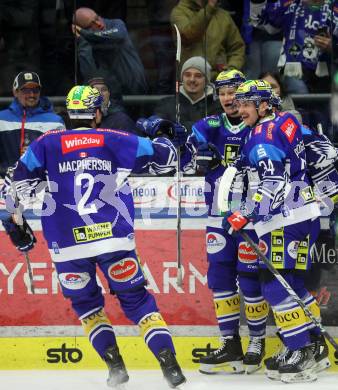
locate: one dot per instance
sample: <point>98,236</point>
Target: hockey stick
<point>18,219</point>
<point>75,43</point>
<point>177,111</point>
<point>205,61</point>
<point>290,291</point>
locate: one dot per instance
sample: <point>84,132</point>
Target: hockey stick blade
<point>290,290</point>
<point>224,189</point>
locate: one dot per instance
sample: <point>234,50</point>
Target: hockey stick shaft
<point>290,290</point>
<point>178,170</point>
<point>30,273</point>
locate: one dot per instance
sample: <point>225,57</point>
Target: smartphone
<point>322,31</point>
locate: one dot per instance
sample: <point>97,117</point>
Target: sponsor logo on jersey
<point>230,152</point>
<point>72,142</point>
<point>261,153</point>
<point>307,194</point>
<point>269,130</point>
<point>292,249</point>
<point>215,242</point>
<point>124,270</point>
<point>92,232</point>
<point>55,247</point>
<point>258,129</point>
<point>289,128</point>
<point>214,122</point>
<point>74,280</point>
<point>246,254</point>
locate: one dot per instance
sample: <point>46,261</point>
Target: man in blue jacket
<point>25,119</point>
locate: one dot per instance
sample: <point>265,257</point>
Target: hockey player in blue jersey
<point>321,157</point>
<point>285,217</point>
<point>88,221</point>
<point>214,143</point>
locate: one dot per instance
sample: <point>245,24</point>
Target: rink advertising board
<point>188,307</point>
<point>76,353</point>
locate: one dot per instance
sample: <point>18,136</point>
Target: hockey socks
<point>227,308</point>
<point>292,324</point>
<point>155,332</point>
<point>256,313</point>
<point>99,330</point>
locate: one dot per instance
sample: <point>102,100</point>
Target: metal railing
<point>153,99</point>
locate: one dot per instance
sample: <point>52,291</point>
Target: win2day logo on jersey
<point>72,142</point>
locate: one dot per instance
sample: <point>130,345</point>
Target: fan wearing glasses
<point>27,117</point>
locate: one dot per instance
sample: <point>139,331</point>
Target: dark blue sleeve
<point>155,157</point>
<point>114,32</point>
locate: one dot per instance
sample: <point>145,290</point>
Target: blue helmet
<point>229,78</point>
<point>254,90</point>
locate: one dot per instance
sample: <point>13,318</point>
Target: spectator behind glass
<point>306,26</point>
<point>17,27</point>
<point>274,79</point>
<point>105,49</point>
<point>28,116</point>
<point>225,48</point>
<point>193,102</point>
<point>113,116</point>
<point>162,43</point>
<point>263,48</point>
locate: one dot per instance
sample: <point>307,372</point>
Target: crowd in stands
<point>288,43</point>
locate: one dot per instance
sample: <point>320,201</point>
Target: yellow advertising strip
<point>46,353</point>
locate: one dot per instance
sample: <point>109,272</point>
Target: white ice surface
<point>151,380</point>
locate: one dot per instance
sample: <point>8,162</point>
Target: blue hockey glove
<point>208,157</point>
<point>22,237</point>
<point>154,126</point>
<point>178,135</point>
<point>233,222</point>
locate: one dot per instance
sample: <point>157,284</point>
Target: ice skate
<point>299,367</point>
<point>171,370</point>
<point>321,352</point>
<point>254,355</point>
<point>230,354</point>
<point>272,363</point>
<point>118,375</point>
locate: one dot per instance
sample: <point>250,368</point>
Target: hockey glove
<point>208,157</point>
<point>154,126</point>
<point>179,135</point>
<point>234,222</point>
<point>22,237</point>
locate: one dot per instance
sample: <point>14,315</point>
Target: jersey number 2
<point>81,206</point>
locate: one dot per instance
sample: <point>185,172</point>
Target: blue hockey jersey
<point>228,139</point>
<point>88,209</point>
<point>273,158</point>
<point>321,157</point>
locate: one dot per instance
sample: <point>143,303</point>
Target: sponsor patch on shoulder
<point>289,128</point>
<point>213,122</point>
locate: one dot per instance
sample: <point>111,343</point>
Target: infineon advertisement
<point>45,325</point>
